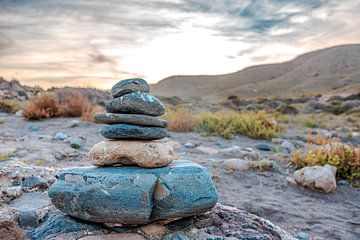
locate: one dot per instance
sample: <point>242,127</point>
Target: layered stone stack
<point>152,188</point>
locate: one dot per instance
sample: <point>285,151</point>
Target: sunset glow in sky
<point>95,43</point>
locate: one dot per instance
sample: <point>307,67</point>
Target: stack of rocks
<point>153,188</point>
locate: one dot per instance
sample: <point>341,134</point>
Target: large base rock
<point>222,223</point>
<point>133,195</point>
<point>142,153</point>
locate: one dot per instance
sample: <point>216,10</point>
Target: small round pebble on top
<point>129,86</point>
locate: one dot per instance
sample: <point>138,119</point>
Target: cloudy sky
<point>95,43</point>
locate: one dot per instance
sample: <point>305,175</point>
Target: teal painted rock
<point>134,195</point>
<point>135,119</point>
<point>127,131</point>
<point>136,103</point>
<point>129,86</point>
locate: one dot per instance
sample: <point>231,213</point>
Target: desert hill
<point>335,69</point>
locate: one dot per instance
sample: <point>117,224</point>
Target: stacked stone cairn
<point>135,179</point>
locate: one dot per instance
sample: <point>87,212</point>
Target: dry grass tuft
<point>344,157</point>
<point>70,105</point>
<point>181,119</point>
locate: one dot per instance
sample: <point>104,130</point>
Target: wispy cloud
<point>94,43</point>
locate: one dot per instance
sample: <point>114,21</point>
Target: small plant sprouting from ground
<point>311,122</point>
<point>4,157</point>
<point>181,119</point>
<point>344,157</point>
<point>229,123</point>
<point>71,105</point>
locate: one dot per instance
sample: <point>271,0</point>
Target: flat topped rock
<point>136,119</point>
<point>147,154</point>
<point>127,131</point>
<point>136,103</point>
<point>129,86</point>
<point>134,195</point>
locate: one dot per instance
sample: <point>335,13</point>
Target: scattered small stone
<point>60,136</point>
<point>21,152</point>
<point>343,183</point>
<point>73,123</point>
<point>291,180</point>
<point>207,150</point>
<point>287,146</point>
<point>45,137</point>
<point>237,164</point>
<point>31,208</point>
<point>190,145</point>
<point>263,147</point>
<point>77,142</point>
<point>13,192</point>
<point>19,113</point>
<point>32,182</point>
<point>9,228</point>
<point>154,229</point>
<point>317,178</point>
<point>33,128</point>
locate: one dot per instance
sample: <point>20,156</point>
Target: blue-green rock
<point>129,86</point>
<point>127,131</point>
<point>136,103</point>
<point>263,147</point>
<point>134,195</point>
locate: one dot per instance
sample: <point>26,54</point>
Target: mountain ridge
<point>333,69</point>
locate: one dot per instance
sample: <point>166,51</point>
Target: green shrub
<point>229,123</point>
<point>344,157</point>
<point>9,106</point>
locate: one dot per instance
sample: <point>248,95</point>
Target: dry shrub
<point>344,157</point>
<point>73,105</point>
<point>70,105</point>
<point>42,107</point>
<point>318,139</point>
<point>181,119</point>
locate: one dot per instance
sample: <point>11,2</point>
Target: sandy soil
<point>267,194</point>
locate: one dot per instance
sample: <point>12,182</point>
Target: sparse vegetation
<point>311,122</point>
<point>344,157</point>
<point>181,119</point>
<point>229,123</point>
<point>2,121</point>
<point>4,157</point>
<point>71,105</point>
<point>9,106</point>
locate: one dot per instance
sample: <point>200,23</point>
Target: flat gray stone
<point>127,131</point>
<point>136,103</point>
<point>129,86</point>
<point>134,195</point>
<point>136,119</point>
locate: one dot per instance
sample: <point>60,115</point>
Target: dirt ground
<point>265,193</point>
